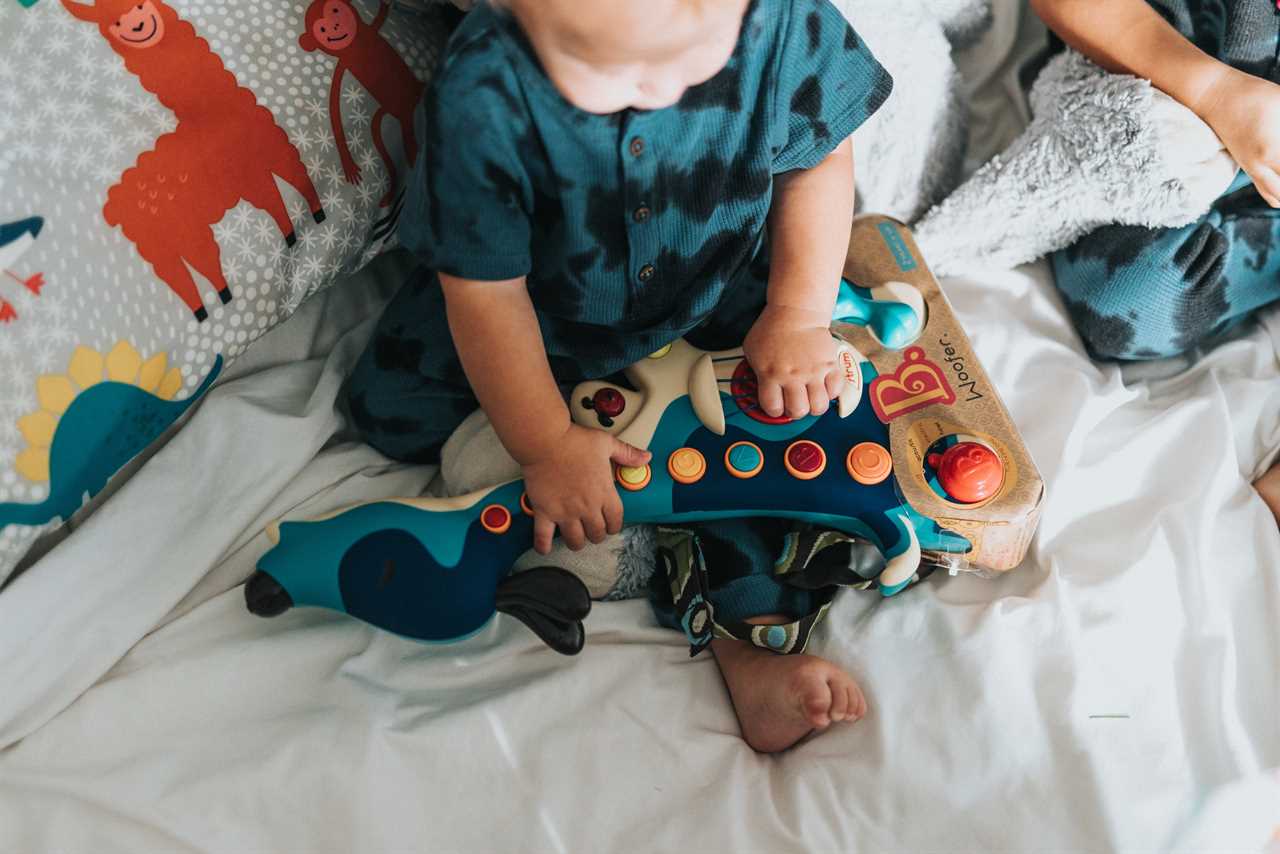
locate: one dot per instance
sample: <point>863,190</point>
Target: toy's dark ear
<point>550,601</point>
<point>308,42</point>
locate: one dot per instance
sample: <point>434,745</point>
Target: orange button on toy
<point>633,478</point>
<point>496,519</point>
<point>525,505</point>
<point>805,460</point>
<point>744,459</point>
<point>686,465</point>
<point>869,463</point>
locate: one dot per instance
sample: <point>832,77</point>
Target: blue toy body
<point>431,569</point>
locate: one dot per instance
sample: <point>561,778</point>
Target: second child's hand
<point>1244,111</point>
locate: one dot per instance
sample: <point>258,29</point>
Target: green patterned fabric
<point>692,598</point>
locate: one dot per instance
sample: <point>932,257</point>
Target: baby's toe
<point>815,700</point>
<point>840,701</point>
<point>857,702</point>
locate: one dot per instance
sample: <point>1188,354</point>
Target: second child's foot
<point>780,699</point>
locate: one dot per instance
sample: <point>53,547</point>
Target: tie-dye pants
<point>1143,293</point>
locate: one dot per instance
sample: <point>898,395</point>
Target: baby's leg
<point>1140,293</point>
<point>779,699</point>
<point>396,397</point>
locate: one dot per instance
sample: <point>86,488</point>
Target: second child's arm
<point>567,469</point>
<point>1128,36</point>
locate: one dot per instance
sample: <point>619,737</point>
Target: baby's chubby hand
<point>794,357</point>
<point>570,487</point>
<point>1245,113</point>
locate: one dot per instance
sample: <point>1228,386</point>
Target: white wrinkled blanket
<point>1087,701</point>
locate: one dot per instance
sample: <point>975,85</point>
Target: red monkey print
<point>336,28</point>
<point>225,149</point>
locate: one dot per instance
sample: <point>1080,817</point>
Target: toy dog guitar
<point>437,569</point>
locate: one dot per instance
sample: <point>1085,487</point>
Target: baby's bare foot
<point>1268,487</point>
<point>782,698</point>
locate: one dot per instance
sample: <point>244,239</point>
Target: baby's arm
<point>790,346</point>
<point>567,468</point>
<point>1129,36</point>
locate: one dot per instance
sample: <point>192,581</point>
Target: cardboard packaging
<point>936,388</point>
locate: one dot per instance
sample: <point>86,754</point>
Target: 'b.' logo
<point>917,383</point>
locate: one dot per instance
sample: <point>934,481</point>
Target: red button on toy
<point>609,402</point>
<point>496,519</point>
<point>968,472</point>
<point>805,460</point>
<point>744,387</point>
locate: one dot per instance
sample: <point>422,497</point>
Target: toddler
<point>1138,293</point>
<point>599,179</point>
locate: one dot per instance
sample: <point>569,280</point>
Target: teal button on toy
<point>744,459</point>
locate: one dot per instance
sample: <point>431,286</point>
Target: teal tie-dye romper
<point>1139,293</point>
<point>634,228</point>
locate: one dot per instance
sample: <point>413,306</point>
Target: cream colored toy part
<point>900,569</point>
<point>910,296</point>
<point>849,362</point>
<point>704,395</point>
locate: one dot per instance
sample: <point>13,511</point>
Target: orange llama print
<point>226,148</point>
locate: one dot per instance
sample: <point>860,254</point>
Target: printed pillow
<point>176,176</point>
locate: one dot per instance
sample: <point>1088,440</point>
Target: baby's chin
<point>598,94</point>
<point>608,106</point>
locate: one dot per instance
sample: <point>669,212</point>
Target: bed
<point>1090,700</point>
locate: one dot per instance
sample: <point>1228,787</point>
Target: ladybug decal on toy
<point>608,404</point>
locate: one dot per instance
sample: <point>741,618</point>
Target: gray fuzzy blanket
<point>1102,148</point>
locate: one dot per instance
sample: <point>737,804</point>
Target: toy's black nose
<point>265,597</point>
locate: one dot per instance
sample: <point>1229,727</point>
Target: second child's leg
<point>1143,293</point>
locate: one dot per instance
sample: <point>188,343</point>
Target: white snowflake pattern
<point>265,229</point>
<point>329,237</point>
<point>332,200</point>
<point>245,250</point>
<point>225,230</point>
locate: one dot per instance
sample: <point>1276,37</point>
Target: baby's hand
<point>794,357</point>
<point>571,487</point>
<point>1245,113</point>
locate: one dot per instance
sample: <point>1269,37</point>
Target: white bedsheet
<point>1087,701</point>
<point>143,709</point>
